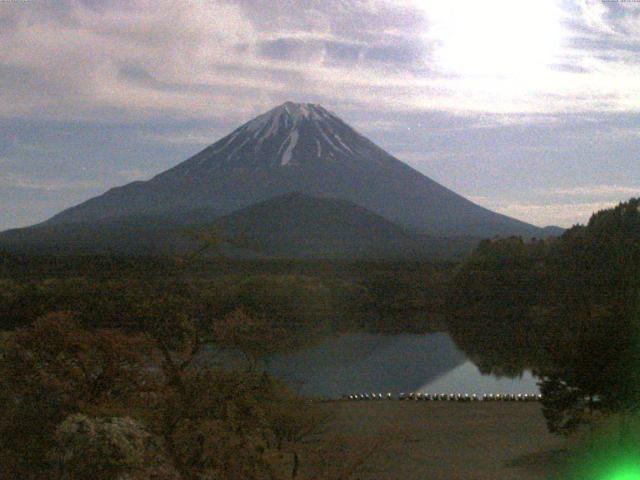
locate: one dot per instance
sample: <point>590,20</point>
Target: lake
<point>360,363</point>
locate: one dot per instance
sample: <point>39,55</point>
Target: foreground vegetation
<point>103,373</point>
<point>80,403</point>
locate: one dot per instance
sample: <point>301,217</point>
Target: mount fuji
<point>300,147</point>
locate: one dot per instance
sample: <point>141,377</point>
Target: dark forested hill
<point>298,225</point>
<point>291,225</point>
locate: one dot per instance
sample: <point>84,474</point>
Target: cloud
<point>489,120</point>
<point>559,214</point>
<point>134,60</point>
<point>14,180</point>
<point>197,137</point>
<point>134,174</point>
<point>617,191</point>
<point>563,206</point>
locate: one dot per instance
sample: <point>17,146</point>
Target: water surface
<point>466,378</point>
<point>359,363</point>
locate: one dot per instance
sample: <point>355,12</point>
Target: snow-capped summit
<point>300,147</point>
<point>294,113</point>
<point>292,134</point>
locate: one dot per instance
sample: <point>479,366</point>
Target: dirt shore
<point>449,441</point>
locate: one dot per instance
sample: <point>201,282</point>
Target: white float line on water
<point>446,397</point>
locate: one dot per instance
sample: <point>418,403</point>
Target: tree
<point>205,239</point>
<point>53,369</point>
<point>495,301</point>
<point>217,421</point>
<point>236,424</point>
<point>94,448</point>
<point>596,304</point>
<point>569,309</point>
<point>297,306</point>
<point>251,334</point>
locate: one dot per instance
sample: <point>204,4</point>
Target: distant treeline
<point>308,297</point>
<point>41,266</point>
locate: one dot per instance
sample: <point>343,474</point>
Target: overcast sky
<point>528,107</point>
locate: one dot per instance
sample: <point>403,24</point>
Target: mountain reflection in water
<point>360,363</point>
<point>466,378</point>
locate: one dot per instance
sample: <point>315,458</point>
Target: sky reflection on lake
<point>361,363</point>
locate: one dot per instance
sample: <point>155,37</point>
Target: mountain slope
<point>292,225</point>
<point>297,225</point>
<point>127,235</point>
<point>305,148</point>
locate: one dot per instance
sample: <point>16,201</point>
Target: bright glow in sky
<point>495,37</point>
